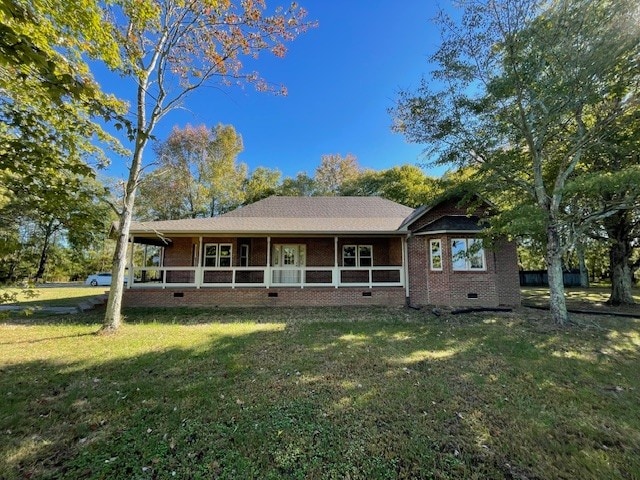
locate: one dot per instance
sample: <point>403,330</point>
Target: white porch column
<point>130,281</point>
<point>267,270</point>
<point>405,267</point>
<point>335,275</point>
<point>199,272</point>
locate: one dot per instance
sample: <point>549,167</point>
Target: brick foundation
<point>255,297</point>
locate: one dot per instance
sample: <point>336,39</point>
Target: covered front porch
<point>267,262</point>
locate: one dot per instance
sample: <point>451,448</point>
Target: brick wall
<point>386,251</point>
<point>179,252</point>
<point>251,297</point>
<point>497,285</point>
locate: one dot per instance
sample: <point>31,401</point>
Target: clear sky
<point>341,78</point>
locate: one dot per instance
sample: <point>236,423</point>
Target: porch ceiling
<point>156,241</point>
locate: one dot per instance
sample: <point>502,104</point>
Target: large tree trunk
<point>44,253</point>
<point>620,276</point>
<point>619,230</point>
<point>582,264</point>
<point>42,263</point>
<point>113,317</point>
<point>557,303</point>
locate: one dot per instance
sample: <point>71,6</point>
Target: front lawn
<point>54,296</point>
<point>592,298</point>
<point>320,393</point>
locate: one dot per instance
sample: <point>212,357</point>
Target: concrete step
<point>101,300</point>
<point>86,306</point>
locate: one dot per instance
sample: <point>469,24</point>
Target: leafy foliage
<point>47,94</point>
<point>263,182</point>
<point>197,173</point>
<point>405,184</point>
<point>65,209</point>
<point>523,89</point>
<point>335,171</point>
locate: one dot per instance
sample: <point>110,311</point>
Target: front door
<point>288,259</point>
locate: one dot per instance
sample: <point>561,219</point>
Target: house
<point>304,251</point>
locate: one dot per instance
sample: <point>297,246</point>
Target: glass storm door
<point>289,259</point>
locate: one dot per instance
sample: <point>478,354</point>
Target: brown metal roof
<point>292,215</point>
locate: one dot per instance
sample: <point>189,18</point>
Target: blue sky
<point>341,78</point>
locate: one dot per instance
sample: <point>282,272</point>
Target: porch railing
<point>265,277</point>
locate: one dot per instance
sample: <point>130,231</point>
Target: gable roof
<point>292,215</point>
<point>453,197</point>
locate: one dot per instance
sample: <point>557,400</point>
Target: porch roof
<point>293,215</point>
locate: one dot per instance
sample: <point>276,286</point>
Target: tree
<point>198,172</point>
<point>262,183</point>
<point>66,208</point>
<point>301,186</point>
<point>524,88</point>
<point>48,97</point>
<point>48,104</point>
<point>171,49</point>
<point>405,184</point>
<point>334,171</point>
<point>611,181</point>
<point>224,178</point>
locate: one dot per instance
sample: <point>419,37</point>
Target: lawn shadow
<point>317,396</point>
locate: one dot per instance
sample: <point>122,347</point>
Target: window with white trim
<point>436,254</point>
<point>217,255</point>
<point>357,255</point>
<point>244,255</point>
<point>467,254</point>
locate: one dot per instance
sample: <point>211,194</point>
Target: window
<point>357,256</point>
<point>217,255</point>
<point>436,254</point>
<point>365,255</point>
<point>244,255</point>
<point>467,254</point>
<point>349,258</point>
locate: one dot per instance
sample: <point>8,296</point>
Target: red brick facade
<point>495,285</point>
<point>498,284</point>
<point>258,297</point>
<point>387,251</point>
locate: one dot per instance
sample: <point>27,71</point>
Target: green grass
<point>592,298</point>
<point>66,296</point>
<point>591,294</point>
<point>320,393</point>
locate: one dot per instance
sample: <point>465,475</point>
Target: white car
<point>102,279</point>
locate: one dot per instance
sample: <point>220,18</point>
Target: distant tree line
<point>199,175</point>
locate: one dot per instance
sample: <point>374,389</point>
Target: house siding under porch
<point>263,297</point>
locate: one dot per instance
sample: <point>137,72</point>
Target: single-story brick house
<point>299,251</point>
